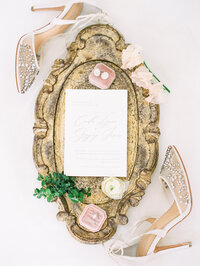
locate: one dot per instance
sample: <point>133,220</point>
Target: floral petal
<point>142,77</point>
<point>113,187</point>
<point>131,56</point>
<point>156,93</point>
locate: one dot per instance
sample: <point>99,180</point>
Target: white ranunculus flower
<point>156,93</point>
<point>131,56</point>
<point>113,187</point>
<point>142,77</point>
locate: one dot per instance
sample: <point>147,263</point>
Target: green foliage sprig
<point>59,184</point>
<point>156,77</point>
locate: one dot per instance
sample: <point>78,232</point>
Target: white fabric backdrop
<point>170,35</point>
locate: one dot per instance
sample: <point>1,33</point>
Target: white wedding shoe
<point>174,176</point>
<point>27,60</point>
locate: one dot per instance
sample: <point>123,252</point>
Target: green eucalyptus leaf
<point>81,196</point>
<point>75,192</point>
<point>74,200</point>
<point>72,178</point>
<point>57,184</point>
<point>48,191</point>
<point>43,183</point>
<point>37,190</point>
<point>70,195</point>
<point>83,190</point>
<point>56,194</point>
<point>72,184</point>
<point>66,178</point>
<point>66,185</point>
<point>50,197</point>
<point>55,174</point>
<point>40,177</point>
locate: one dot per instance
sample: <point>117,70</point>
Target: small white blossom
<point>156,93</point>
<point>113,187</point>
<point>142,77</point>
<point>131,56</point>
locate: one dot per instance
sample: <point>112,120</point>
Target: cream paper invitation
<point>96,133</point>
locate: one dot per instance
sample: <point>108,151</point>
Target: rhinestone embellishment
<point>174,175</point>
<point>27,69</point>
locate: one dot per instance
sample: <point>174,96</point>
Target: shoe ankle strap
<point>82,18</point>
<point>59,21</point>
<point>119,243</point>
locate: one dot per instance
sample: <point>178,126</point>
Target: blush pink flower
<point>142,77</point>
<point>131,56</point>
<point>156,93</point>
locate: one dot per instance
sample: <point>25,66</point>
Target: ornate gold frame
<point>93,44</point>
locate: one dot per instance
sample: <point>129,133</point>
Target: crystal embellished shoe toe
<point>27,64</point>
<point>174,175</point>
<point>175,179</point>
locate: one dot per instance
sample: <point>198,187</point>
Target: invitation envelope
<point>95,132</point>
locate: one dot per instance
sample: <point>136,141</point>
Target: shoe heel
<point>169,248</point>
<point>48,8</point>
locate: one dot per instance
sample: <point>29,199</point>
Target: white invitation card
<point>95,133</point>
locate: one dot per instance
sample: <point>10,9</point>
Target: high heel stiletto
<point>175,178</point>
<point>26,61</point>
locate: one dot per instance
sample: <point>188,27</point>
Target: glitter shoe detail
<point>173,175</point>
<point>27,65</point>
